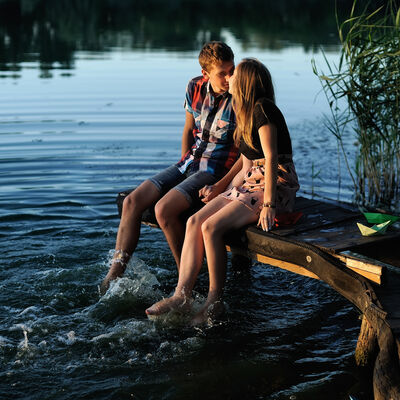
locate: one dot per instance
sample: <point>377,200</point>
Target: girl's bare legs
<point>233,216</point>
<point>191,260</point>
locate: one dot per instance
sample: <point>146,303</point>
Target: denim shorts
<point>188,183</point>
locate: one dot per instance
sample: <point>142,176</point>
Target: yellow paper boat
<point>379,229</point>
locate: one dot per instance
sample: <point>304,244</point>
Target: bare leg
<point>168,210</point>
<point>129,229</point>
<point>191,260</point>
<point>233,216</point>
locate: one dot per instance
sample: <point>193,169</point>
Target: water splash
<point>137,283</point>
<point>24,344</point>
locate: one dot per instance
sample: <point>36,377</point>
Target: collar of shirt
<point>214,96</point>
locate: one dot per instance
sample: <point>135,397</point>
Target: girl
<point>266,185</point>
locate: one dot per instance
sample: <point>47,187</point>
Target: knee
<point>133,203</point>
<point>163,213</point>
<point>130,203</point>
<point>193,222</point>
<point>209,229</point>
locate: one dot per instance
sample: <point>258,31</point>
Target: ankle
<point>182,292</point>
<point>120,260</point>
<point>214,296</point>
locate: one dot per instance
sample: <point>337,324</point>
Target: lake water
<point>71,138</point>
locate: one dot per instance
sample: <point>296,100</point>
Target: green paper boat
<point>378,218</point>
<point>379,229</point>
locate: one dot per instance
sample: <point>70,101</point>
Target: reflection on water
<point>110,117</point>
<point>51,32</point>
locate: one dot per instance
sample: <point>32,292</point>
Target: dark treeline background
<point>49,32</point>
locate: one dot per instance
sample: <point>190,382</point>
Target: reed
<point>363,92</point>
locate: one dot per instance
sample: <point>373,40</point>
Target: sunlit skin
<point>231,83</point>
<point>205,231</point>
<point>171,205</point>
<point>219,76</point>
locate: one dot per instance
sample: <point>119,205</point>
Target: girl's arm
<point>210,191</point>
<point>239,177</point>
<point>268,138</point>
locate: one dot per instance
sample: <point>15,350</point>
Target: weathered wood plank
<point>366,350</point>
<point>371,272</point>
<point>370,269</point>
<point>344,236</point>
<point>370,276</point>
<point>303,203</point>
<point>274,262</point>
<point>318,217</point>
<point>362,262</point>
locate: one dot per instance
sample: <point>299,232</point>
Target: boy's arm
<point>209,192</point>
<point>187,135</point>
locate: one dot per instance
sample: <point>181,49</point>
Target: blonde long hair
<point>252,82</point>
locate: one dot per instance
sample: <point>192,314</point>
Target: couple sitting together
<point>236,158</point>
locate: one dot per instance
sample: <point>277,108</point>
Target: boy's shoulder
<point>198,81</point>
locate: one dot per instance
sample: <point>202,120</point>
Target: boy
<point>208,153</point>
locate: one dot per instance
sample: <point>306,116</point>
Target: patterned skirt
<point>251,192</point>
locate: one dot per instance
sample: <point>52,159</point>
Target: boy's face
<point>219,76</point>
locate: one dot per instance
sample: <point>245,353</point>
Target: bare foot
<point>210,311</point>
<point>116,271</point>
<point>174,303</point>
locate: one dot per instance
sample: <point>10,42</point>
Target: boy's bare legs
<point>191,260</point>
<point>233,216</point>
<point>134,205</point>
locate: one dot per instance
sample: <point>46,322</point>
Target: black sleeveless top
<point>265,112</point>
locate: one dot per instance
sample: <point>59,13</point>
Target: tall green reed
<point>363,92</point>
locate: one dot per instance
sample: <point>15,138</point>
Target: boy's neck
<point>214,93</point>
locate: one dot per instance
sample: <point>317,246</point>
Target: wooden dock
<point>326,244</point>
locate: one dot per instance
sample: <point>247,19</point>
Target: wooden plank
<point>386,251</point>
<point>322,217</point>
<point>360,262</point>
<point>389,296</point>
<point>344,236</point>
<point>302,203</point>
<point>274,262</point>
<point>372,277</point>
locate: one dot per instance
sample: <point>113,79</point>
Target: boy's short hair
<point>214,53</point>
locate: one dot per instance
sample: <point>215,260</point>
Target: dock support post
<point>386,379</point>
<point>366,349</point>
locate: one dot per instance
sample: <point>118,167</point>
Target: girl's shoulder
<point>266,104</point>
<point>266,108</point>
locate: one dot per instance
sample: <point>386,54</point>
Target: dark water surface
<point>73,134</point>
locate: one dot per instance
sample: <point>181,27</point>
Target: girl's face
<point>232,82</point>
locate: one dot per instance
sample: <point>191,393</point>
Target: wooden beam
<point>367,267</point>
<point>363,268</point>
<point>274,262</point>
<point>372,277</point>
